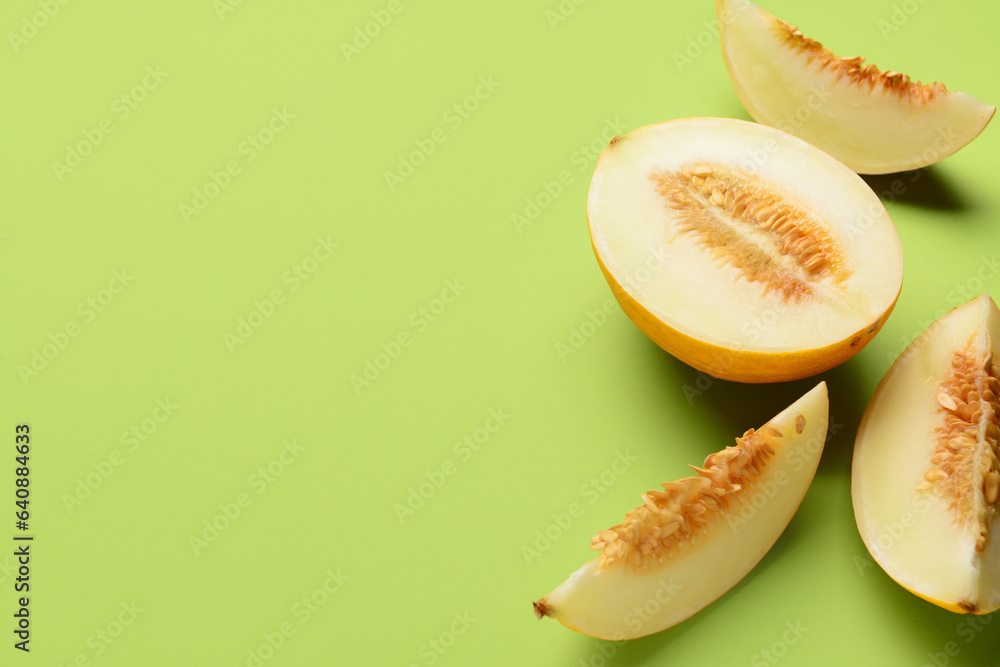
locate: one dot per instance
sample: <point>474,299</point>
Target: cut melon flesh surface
<point>692,542</point>
<point>925,478</point>
<point>875,122</point>
<point>741,249</point>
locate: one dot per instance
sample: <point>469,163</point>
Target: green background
<point>321,561</point>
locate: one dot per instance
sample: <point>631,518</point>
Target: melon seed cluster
<point>720,204</point>
<point>854,70</point>
<point>677,513</point>
<point>968,404</point>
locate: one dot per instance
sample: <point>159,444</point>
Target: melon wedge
<point>690,543</point>
<point>742,250</point>
<point>873,121</point>
<point>925,475</point>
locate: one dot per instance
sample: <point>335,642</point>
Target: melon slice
<point>925,478</point>
<point>690,543</point>
<point>742,250</point>
<point>875,122</point>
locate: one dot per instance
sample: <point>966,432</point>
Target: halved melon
<point>690,543</point>
<point>875,122</point>
<point>742,250</point>
<point>925,478</point>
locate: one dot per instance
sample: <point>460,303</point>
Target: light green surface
<point>320,551</point>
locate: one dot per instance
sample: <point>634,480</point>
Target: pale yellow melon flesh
<point>925,473</point>
<point>742,250</point>
<point>696,539</point>
<point>875,122</point>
